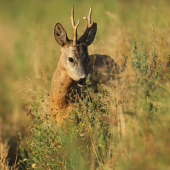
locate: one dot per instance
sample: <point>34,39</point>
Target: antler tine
<point>74,27</point>
<point>89,25</point>
<point>89,18</point>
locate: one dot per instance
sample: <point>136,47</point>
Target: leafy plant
<point>104,131</point>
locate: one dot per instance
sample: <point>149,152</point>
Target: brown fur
<point>59,103</point>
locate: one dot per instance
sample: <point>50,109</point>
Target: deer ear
<point>60,35</point>
<point>89,35</point>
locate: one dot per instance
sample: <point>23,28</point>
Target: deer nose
<point>82,82</point>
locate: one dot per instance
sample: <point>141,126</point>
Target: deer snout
<point>82,82</point>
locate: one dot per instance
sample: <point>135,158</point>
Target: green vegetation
<point>110,134</point>
<point>124,127</point>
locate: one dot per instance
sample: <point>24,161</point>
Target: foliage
<point>98,139</point>
<point>125,128</point>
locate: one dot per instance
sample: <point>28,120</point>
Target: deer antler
<point>74,27</point>
<point>89,19</point>
<point>89,25</point>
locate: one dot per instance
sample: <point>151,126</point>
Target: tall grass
<point>113,131</point>
<point>29,55</point>
<point>4,161</point>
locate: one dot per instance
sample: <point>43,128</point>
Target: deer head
<point>75,57</point>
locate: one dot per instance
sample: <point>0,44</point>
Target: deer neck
<point>60,87</point>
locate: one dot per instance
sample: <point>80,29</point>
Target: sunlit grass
<point>29,56</point>
<point>4,160</point>
<point>120,128</point>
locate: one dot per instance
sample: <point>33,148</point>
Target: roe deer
<point>74,65</point>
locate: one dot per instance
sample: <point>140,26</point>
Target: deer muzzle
<point>82,82</point>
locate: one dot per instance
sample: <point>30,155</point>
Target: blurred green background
<point>28,48</point>
<point>29,53</point>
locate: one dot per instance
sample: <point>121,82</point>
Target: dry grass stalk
<point>4,161</point>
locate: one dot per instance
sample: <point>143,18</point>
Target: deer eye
<point>70,59</point>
